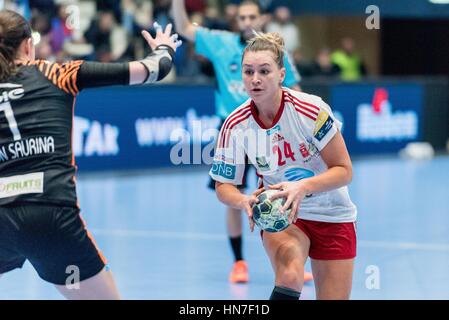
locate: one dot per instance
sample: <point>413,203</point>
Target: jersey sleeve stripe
<point>40,66</point>
<point>66,80</point>
<point>301,111</point>
<point>229,122</point>
<point>230,118</point>
<point>308,116</point>
<point>52,71</point>
<point>63,76</point>
<point>302,103</point>
<point>67,74</point>
<point>236,121</point>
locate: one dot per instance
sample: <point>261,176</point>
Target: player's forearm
<point>229,195</point>
<point>153,68</point>
<point>182,23</point>
<point>331,179</point>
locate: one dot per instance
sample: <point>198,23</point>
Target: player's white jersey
<point>288,151</point>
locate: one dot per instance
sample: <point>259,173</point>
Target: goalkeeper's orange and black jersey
<point>36,118</point>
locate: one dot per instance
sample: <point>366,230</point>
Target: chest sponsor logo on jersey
<point>275,129</point>
<point>277,137</point>
<point>297,173</point>
<point>303,149</point>
<point>262,163</point>
<point>323,124</point>
<point>223,169</point>
<point>308,151</point>
<point>10,91</point>
<point>22,184</point>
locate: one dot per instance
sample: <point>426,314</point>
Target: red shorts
<point>329,241</point>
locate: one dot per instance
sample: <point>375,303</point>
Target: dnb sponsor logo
<point>377,122</point>
<point>223,169</point>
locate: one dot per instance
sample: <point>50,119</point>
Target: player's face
<point>261,75</point>
<point>249,19</point>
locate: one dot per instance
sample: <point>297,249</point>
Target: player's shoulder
<point>304,104</point>
<point>62,75</point>
<point>300,96</point>
<point>41,63</point>
<point>37,61</point>
<point>239,116</point>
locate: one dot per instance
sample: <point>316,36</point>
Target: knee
<point>291,277</point>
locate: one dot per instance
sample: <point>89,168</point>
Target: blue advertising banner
<point>161,126</point>
<point>378,118</point>
<point>143,126</point>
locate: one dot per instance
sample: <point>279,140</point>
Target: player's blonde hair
<point>271,41</point>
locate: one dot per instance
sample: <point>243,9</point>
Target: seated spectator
<point>303,66</point>
<point>350,63</point>
<point>283,25</point>
<point>113,6</point>
<point>323,65</point>
<point>108,38</point>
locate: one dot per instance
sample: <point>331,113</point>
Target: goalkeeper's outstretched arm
<point>151,69</point>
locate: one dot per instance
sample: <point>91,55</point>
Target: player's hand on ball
<point>163,37</point>
<point>247,204</point>
<point>294,193</point>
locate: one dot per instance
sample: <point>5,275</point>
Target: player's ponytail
<point>271,41</point>
<point>13,30</point>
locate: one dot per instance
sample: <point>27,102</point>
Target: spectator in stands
<point>47,7</point>
<point>350,63</point>
<point>162,11</point>
<point>303,66</point>
<point>283,25</point>
<point>60,32</point>
<point>113,6</point>
<point>230,12</point>
<point>41,25</point>
<point>323,65</point>
<point>108,38</point>
<point>137,15</point>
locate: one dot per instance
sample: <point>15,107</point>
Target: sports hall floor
<point>164,235</point>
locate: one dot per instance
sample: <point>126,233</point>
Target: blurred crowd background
<point>109,30</point>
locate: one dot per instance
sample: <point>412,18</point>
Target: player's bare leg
<point>288,252</point>
<point>239,273</point>
<point>234,222</point>
<point>99,287</point>
<point>333,278</point>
